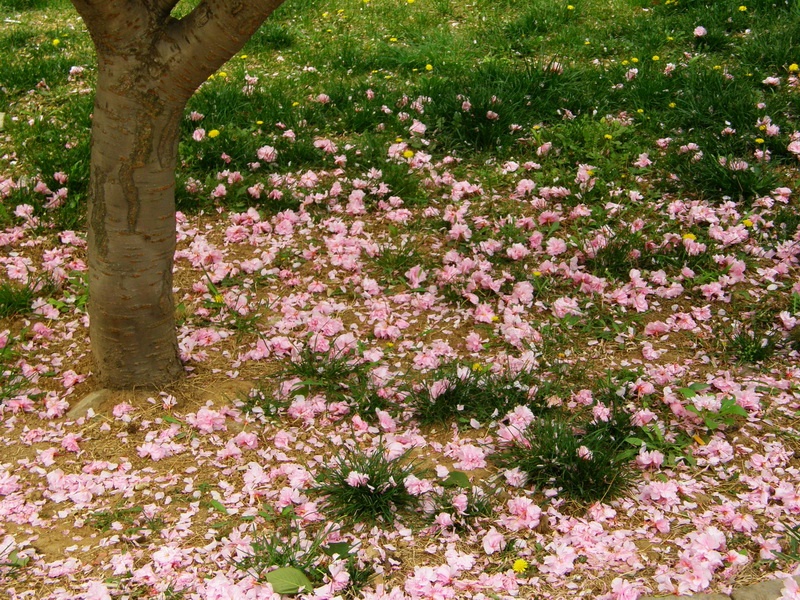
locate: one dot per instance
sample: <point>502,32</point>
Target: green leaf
<point>457,479</point>
<point>687,392</point>
<point>634,441</point>
<point>729,407</point>
<point>341,549</point>
<point>219,506</point>
<point>699,387</point>
<point>171,419</point>
<point>288,580</point>
<point>15,560</point>
<point>656,430</point>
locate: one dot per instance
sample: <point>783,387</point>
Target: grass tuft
<point>583,467</point>
<point>366,486</point>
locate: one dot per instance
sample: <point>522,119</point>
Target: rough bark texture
<point>149,65</point>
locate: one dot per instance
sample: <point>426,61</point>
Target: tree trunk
<point>149,65</point>
<point>131,222</point>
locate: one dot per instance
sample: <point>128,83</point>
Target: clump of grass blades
<point>752,346</point>
<point>11,379</point>
<point>394,262</point>
<point>366,486</point>
<point>466,394</point>
<point>288,545</point>
<point>475,502</point>
<point>585,468</point>
<point>301,557</point>
<point>340,376</point>
<point>17,299</point>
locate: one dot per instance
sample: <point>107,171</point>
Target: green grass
<point>11,378</point>
<point>381,497</point>
<point>16,299</point>
<point>583,467</point>
<point>461,393</point>
<point>498,60</point>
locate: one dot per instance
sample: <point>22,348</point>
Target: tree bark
<point>131,221</point>
<point>149,65</point>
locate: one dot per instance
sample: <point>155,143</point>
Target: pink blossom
<point>565,306</point>
<point>207,420</point>
<point>417,128</point>
<point>416,486</point>
<point>649,459</point>
<point>267,154</point>
<point>556,246</point>
<point>484,313</point>
<point>325,145</point>
<point>96,590</point>
<point>470,457</point>
<point>790,590</point>
<point>493,541</point>
<point>356,479</point>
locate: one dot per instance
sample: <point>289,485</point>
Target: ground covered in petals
<point>448,332</point>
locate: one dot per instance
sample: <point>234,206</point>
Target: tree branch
<point>197,45</point>
<point>113,24</point>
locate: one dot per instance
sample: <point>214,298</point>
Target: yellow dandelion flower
<point>570,7</point>
<point>537,273</point>
<point>747,223</point>
<point>672,105</point>
<point>742,8</point>
<point>520,565</point>
<point>794,68</point>
<point>634,60</point>
<point>223,74</point>
<point>656,57</point>
<point>477,367</point>
<point>213,133</point>
<point>608,136</point>
<point>392,39</point>
<point>759,140</point>
<point>56,42</point>
<point>689,236</point>
<point>259,122</point>
<point>295,104</point>
<point>640,111</point>
<point>408,153</point>
<point>495,318</point>
<point>429,67</point>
